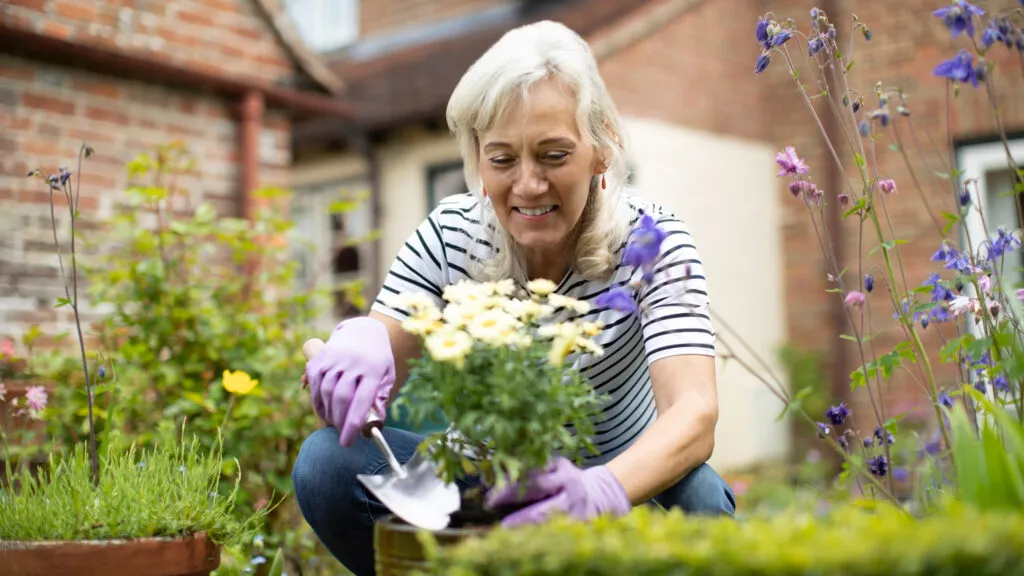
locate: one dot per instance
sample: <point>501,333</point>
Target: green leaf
<point>796,403</point>
<point>848,337</point>
<point>850,65</point>
<point>61,302</point>
<point>277,566</point>
<point>858,159</point>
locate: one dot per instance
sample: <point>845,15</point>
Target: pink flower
<point>962,304</point>
<point>1020,294</point>
<point>854,298</point>
<point>7,347</point>
<point>985,283</point>
<point>790,162</point>
<point>3,392</point>
<point>887,186</point>
<point>35,398</point>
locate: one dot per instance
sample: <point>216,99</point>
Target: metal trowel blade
<point>420,497</point>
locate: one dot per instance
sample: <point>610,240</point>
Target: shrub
<point>850,540</point>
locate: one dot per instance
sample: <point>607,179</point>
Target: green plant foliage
<point>170,490</point>
<point>854,540</point>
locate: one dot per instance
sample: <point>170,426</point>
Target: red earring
<point>603,183</point>
<point>485,192</point>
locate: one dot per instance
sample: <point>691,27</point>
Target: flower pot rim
<point>396,524</point>
<point>26,544</point>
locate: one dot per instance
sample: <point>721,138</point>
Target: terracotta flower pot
<point>398,550</point>
<point>194,555</point>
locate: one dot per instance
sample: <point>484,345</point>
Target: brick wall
<point>684,75</point>
<point>46,112</point>
<point>223,36</point>
<point>382,16</point>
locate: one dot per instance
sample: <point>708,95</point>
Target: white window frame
<point>317,29</point>
<point>974,161</point>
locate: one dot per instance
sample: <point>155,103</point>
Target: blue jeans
<point>342,513</point>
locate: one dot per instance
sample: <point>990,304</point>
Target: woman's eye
<point>501,160</point>
<point>556,156</point>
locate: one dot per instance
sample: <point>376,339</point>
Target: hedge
<point>849,541</point>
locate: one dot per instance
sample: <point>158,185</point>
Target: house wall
<point>47,112</point>
<point>380,17</point>
<point>735,223</point>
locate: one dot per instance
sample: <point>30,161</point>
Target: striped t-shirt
<point>675,318</point>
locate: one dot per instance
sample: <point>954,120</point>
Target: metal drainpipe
<point>252,107</point>
<point>834,184</point>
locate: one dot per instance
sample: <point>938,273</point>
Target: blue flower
<point>900,474</point>
<point>945,399</point>
<point>1003,242</point>
<point>959,17</point>
<point>884,436</point>
<point>762,62</point>
<point>837,414</point>
<point>960,68</point>
<point>869,282</point>
<point>762,32</point>
<point>868,442</point>
<point>103,372</point>
<point>643,249</point>
<point>981,386</point>
<point>1000,383</point>
<point>823,430</point>
<point>991,36</point>
<point>878,465</point>
<point>781,38</point>
<point>617,299</point>
<point>259,560</point>
<point>940,293</point>
<point>815,45</point>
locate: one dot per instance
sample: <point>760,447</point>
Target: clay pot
<point>398,550</point>
<point>189,556</point>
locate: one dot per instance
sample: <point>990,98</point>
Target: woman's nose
<point>530,180</point>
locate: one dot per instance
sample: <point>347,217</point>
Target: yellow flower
<point>468,292</point>
<point>560,348</point>
<point>461,315</point>
<point>238,382</point>
<point>449,346</point>
<point>527,310</point>
<point>413,302</point>
<point>502,287</point>
<point>566,330</point>
<point>591,329</point>
<point>588,345</point>
<point>541,286</point>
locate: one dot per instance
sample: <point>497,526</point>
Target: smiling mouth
<point>540,211</point>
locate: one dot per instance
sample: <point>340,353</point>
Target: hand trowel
<point>414,492</point>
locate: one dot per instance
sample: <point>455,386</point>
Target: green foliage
<point>989,463</point>
<point>171,489</point>
<point>850,540</point>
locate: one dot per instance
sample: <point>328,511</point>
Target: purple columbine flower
<point>959,68</point>
<point>645,245</point>
<point>761,31</point>
<point>762,62</point>
<point>945,399</point>
<point>844,199</point>
<point>823,430</point>
<point>900,474</point>
<point>843,443</point>
<point>836,415</point>
<point>940,293</point>
<point>790,163</point>
<point>991,35</point>
<point>1001,383</point>
<point>878,465</point>
<point>864,128</point>
<point>888,186</point>
<point>869,283</point>
<point>868,442</point>
<point>620,299</point>
<point>959,17</point>
<point>815,45</point>
<point>883,436</point>
<point>781,37</point>
<point>965,198</point>
<point>981,386</point>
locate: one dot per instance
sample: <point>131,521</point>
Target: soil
<point>472,513</point>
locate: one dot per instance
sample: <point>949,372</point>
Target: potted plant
<point>495,367</point>
<point>118,509</point>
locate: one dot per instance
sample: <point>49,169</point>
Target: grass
<point>171,490</point>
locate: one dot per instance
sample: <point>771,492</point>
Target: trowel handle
<point>310,349</point>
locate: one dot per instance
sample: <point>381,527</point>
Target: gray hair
<point>518,60</point>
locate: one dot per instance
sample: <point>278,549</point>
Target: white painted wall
<point>727,191</point>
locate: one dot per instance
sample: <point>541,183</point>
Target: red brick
<point>57,29</point>
<point>105,89</point>
<point>197,18</point>
<point>30,4</point>
<point>48,103</point>
<point>84,11</point>
<point>106,115</point>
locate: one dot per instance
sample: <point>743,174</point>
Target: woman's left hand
<point>563,488</point>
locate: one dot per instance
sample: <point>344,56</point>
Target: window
<point>328,217</point>
<point>443,180</point>
<point>325,24</point>
<point>987,163</point>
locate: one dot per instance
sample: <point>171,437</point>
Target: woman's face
<point>537,169</point>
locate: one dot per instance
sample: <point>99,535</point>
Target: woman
<point>545,161</point>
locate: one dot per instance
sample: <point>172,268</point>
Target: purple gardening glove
<point>354,371</point>
<point>564,488</point>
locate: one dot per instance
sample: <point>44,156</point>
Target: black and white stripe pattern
<point>675,317</point>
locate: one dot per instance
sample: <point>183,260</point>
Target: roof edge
<point>288,34</point>
<point>624,34</point>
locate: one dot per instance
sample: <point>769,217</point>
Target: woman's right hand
<point>352,373</point>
